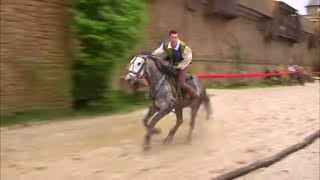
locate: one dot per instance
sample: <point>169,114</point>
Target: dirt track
<point>247,125</point>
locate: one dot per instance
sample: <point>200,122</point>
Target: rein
<point>154,92</point>
<point>143,66</point>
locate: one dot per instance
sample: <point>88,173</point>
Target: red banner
<point>237,75</point>
<point>256,75</point>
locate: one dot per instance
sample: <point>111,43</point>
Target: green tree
<point>108,31</point>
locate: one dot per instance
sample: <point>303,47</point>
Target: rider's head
<point>173,35</point>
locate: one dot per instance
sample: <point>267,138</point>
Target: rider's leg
<point>182,75</point>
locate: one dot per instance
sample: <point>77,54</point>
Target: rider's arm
<point>159,52</point>
<point>187,58</point>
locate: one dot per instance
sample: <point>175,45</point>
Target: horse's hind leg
<point>150,129</point>
<point>194,112</point>
<point>173,131</point>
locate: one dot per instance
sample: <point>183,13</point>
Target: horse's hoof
<point>156,131</point>
<point>167,140</point>
<point>146,148</point>
<point>188,140</point>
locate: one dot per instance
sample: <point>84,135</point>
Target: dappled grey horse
<point>163,96</point>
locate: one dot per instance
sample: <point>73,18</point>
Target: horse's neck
<point>154,75</point>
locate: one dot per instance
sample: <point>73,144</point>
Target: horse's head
<point>136,69</point>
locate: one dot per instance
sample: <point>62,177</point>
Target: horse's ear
<point>145,53</point>
<point>145,57</point>
<point>131,61</point>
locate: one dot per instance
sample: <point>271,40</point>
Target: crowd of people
<point>290,74</point>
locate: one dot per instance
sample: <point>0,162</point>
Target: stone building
<point>236,35</point>
<point>35,58</point>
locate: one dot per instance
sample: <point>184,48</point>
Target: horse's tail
<point>207,103</point>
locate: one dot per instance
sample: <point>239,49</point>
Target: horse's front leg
<point>154,121</point>
<point>152,110</point>
<point>173,131</point>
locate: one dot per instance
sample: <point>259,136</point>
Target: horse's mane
<point>161,64</point>
<point>148,55</point>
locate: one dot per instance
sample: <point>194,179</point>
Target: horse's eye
<point>139,63</point>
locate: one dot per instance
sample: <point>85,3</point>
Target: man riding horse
<point>179,55</point>
<point>157,73</point>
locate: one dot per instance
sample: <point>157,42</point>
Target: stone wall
<point>219,44</point>
<point>35,56</point>
<point>215,39</point>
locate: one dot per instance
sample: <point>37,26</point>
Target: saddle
<point>175,86</point>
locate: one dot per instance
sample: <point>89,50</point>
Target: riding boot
<point>193,95</point>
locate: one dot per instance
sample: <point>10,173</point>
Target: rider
<point>179,55</point>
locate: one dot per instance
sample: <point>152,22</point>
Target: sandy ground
<point>304,164</point>
<point>247,125</point>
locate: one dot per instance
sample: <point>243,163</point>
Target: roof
<point>287,6</point>
<point>265,7</point>
<point>313,3</point>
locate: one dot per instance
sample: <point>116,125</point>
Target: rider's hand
<point>177,66</point>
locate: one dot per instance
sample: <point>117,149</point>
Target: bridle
<point>140,72</point>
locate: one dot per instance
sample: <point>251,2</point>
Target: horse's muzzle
<point>131,78</point>
<point>128,77</point>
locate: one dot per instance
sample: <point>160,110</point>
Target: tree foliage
<point>108,31</point>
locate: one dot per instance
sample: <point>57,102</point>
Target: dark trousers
<point>182,76</point>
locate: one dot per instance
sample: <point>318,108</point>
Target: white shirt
<point>187,55</point>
